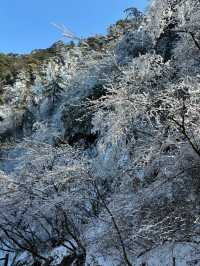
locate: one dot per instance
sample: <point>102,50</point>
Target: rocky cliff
<point>100,152</point>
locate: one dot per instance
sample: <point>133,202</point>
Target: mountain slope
<point>100,153</point>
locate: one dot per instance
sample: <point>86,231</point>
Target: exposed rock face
<point>100,155</point>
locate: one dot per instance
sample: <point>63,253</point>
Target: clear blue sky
<point>26,24</point>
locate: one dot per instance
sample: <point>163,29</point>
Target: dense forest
<point>100,147</point>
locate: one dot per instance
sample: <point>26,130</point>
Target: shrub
<point>12,64</point>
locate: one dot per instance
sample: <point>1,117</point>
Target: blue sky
<point>26,24</point>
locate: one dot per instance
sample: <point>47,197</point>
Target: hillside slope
<point>100,152</point>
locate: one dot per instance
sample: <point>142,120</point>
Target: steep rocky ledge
<point>100,156</point>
